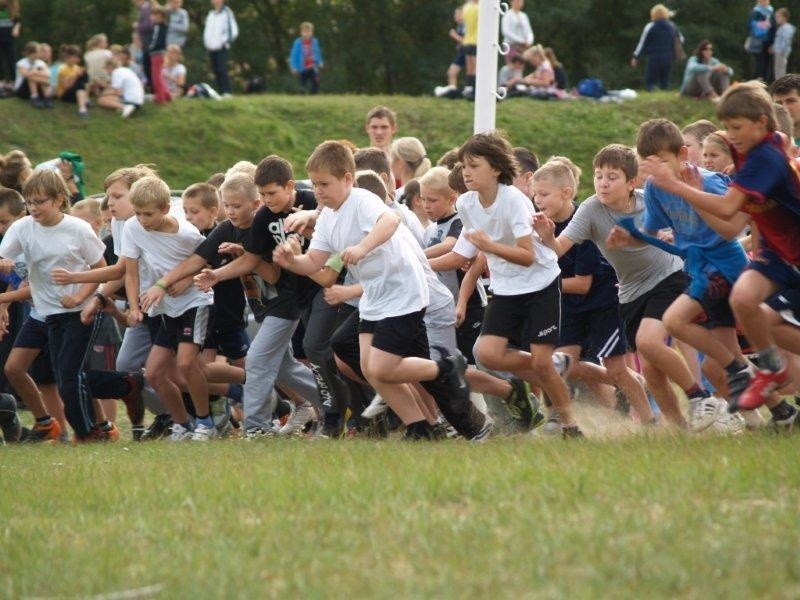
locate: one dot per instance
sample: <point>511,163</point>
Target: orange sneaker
<point>45,432</point>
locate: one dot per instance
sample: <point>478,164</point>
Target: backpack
<point>591,88</point>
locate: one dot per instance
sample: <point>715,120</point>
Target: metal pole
<point>486,92</point>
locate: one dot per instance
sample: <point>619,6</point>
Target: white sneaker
<point>706,412</point>
<point>203,433</point>
<point>127,110</point>
<point>562,363</point>
<point>377,407</point>
<point>442,90</point>
<point>753,419</point>
<point>301,415</point>
<point>179,433</point>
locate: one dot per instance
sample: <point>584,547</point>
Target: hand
<point>666,235</point>
<point>619,238</point>
<point>543,225</point>
<point>336,294</point>
<point>6,266</point>
<point>177,288</point>
<point>634,62</point>
<point>353,254</point>
<point>283,256</point>
<point>90,310</point>
<point>70,301</point>
<point>294,243</point>
<point>659,172</point>
<point>206,279</point>
<point>135,317</point>
<point>62,276</point>
<point>235,250</point>
<point>691,175</point>
<point>4,321</point>
<point>66,168</point>
<point>479,238</point>
<point>461,313</point>
<point>151,298</point>
<point>300,221</point>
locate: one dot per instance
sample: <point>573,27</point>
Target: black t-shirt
<point>228,295</point>
<point>292,292</point>
<point>585,259</point>
<point>108,253</point>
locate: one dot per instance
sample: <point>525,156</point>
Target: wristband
<point>160,285</point>
<point>102,299</point>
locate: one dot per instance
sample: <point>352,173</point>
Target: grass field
<point>190,139</point>
<point>668,516</point>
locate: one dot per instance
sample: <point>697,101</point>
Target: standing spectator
<point>156,51</point>
<point>456,34</point>
<point>175,71</point>
<point>220,32</point>
<point>705,75</point>
<point>9,32</point>
<point>144,28</point>
<point>178,26</point>
<point>761,30</point>
<point>305,59</point>
<point>469,43</point>
<point>782,46</point>
<point>658,44</point>
<point>517,32</point>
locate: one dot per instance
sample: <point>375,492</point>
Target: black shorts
<point>461,58</point>
<point>402,336</point>
<point>787,304</point>
<point>33,335</point>
<point>190,328</point>
<point>344,341</point>
<point>600,333</point>
<point>716,304</point>
<point>467,334</point>
<point>506,316</point>
<point>470,50</point>
<point>230,344</point>
<point>652,304</point>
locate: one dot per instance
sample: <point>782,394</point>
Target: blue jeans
<point>69,346</point>
<point>219,64</point>
<point>657,71</point>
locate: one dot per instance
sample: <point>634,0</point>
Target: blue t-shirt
<point>585,259</point>
<point>665,210</point>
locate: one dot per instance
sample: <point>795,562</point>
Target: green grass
<point>642,517</point>
<point>190,139</point>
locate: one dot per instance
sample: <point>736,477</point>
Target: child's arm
<point>468,285</point>
<point>448,262</point>
<point>729,229</point>
<point>521,254</point>
<point>245,264</point>
<point>545,227</point>
<point>724,207</point>
<point>441,248</point>
<point>84,292</point>
<point>188,268</point>
<point>383,229</point>
<point>339,294</point>
<point>132,290</point>
<point>579,284</point>
<point>305,264</point>
<point>19,295</point>
<point>64,277</point>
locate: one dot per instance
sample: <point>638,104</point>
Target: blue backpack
<point>591,88</point>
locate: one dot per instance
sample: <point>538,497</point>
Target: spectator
<point>73,79</point>
<point>456,34</point>
<point>175,71</point>
<point>408,160</point>
<point>705,75</point>
<point>219,33</point>
<point>761,29</point>
<point>124,57</point>
<point>96,56</point>
<point>543,75</point>
<point>517,32</point>
<point>511,74</point>
<point>782,46</point>
<point>658,44</point>
<point>127,92</point>
<point>15,168</point>
<point>305,59</point>
<point>178,27</point>
<point>33,78</point>
<point>143,27</point>
<point>156,52</point>
<point>9,32</point>
<point>562,82</point>
<point>786,92</point>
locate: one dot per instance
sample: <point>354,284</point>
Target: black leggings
<point>8,59</point>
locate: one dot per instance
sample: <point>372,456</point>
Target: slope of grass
<point>642,517</point>
<point>190,139</point>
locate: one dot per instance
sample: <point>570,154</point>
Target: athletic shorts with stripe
<point>191,327</point>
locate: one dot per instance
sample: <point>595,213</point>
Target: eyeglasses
<point>37,203</point>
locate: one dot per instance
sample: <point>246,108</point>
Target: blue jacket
<point>296,56</point>
<point>658,39</point>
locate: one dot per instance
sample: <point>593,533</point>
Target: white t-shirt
<point>36,64</point>
<point>71,245</point>
<point>175,71</point>
<point>410,220</point>
<point>507,219</point>
<point>117,227</point>
<point>158,253</point>
<point>125,80</point>
<point>392,275</point>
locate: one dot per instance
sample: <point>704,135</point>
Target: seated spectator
<point>558,69</point>
<point>511,74</point>
<point>46,54</point>
<point>705,76</point>
<point>33,78</point>
<point>72,79</point>
<point>543,75</point>
<point>305,59</point>
<point>124,56</point>
<point>174,71</point>
<point>95,58</point>
<point>15,168</point>
<point>126,92</point>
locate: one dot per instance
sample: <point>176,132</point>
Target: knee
<point>672,322</point>
<point>654,377</point>
<point>13,370</point>
<point>741,299</point>
<point>543,362</point>
<point>487,356</point>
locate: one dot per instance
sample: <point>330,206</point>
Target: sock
<point>204,420</point>
<point>235,392</point>
<point>696,392</point>
<point>735,366</point>
<point>782,411</point>
<point>187,426</point>
<point>770,360</point>
<point>45,420</point>
<point>105,425</point>
<point>470,81</point>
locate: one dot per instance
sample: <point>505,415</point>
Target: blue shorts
<point>774,268</point>
<point>599,333</point>
<point>34,335</point>
<point>715,302</point>
<point>230,344</point>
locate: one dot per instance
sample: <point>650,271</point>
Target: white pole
<point>486,92</point>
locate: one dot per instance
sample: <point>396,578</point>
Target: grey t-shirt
<point>638,268</point>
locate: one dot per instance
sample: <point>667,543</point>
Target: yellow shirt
<point>470,16</point>
<point>65,71</point>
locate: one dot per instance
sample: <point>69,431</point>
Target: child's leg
<point>623,378</point>
<point>16,369</point>
<point>158,371</point>
<point>53,404</point>
<point>749,291</point>
<point>191,368</point>
<point>679,322</point>
<point>552,383</point>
